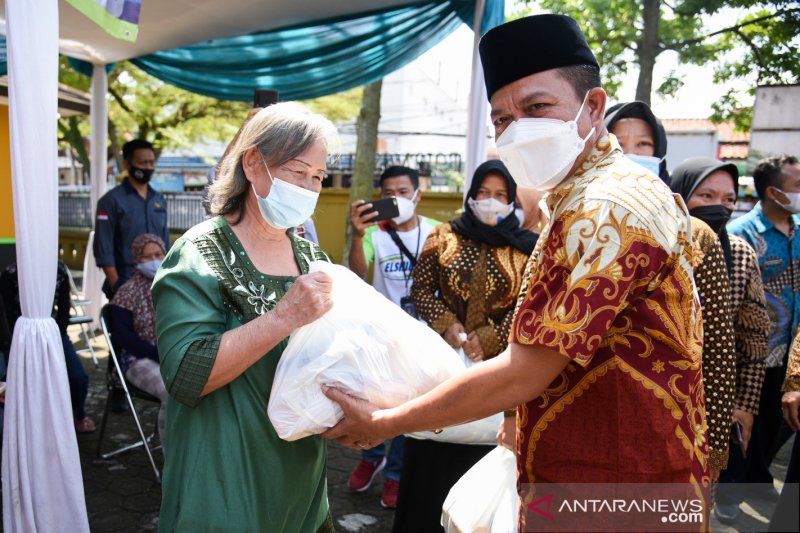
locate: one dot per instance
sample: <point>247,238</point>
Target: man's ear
<point>596,104</point>
<point>776,195</point>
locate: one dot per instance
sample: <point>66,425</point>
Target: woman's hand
<point>473,348</point>
<point>746,419</point>
<point>507,433</point>
<point>791,405</point>
<point>451,336</point>
<point>306,300</point>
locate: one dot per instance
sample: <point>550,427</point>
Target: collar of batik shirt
<point>604,152</point>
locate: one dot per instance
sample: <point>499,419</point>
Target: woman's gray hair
<point>281,132</point>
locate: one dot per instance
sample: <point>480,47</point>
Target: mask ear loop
<point>575,120</point>
<point>265,165</point>
<point>252,185</point>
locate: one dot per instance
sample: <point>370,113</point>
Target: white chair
<point>115,380</point>
<point>81,318</point>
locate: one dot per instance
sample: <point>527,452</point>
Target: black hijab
<point>507,231</point>
<point>688,176</point>
<point>642,111</point>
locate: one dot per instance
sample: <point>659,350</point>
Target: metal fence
<point>184,210</point>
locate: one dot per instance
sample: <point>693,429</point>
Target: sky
<point>449,62</point>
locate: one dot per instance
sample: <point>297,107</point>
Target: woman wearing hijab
<point>719,352</point>
<point>640,134</point>
<point>710,187</point>
<point>643,139</point>
<point>133,323</point>
<point>465,286</point>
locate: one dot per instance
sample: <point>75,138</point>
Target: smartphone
<point>264,98</point>
<point>386,209</point>
<point>738,437</point>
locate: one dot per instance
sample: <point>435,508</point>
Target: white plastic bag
<point>481,432</point>
<point>365,345</point>
<point>485,499</point>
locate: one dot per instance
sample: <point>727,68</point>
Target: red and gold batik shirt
<point>610,287</point>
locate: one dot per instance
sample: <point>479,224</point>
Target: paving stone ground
<point>122,495</point>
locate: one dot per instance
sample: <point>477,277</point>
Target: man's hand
<point>359,220</point>
<point>356,429</point>
<point>791,404</point>
<point>451,336</point>
<point>746,419</point>
<point>112,276</point>
<point>507,433</point>
<point>473,348</point>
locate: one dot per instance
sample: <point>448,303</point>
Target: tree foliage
<point>761,47</point>
<point>142,106</point>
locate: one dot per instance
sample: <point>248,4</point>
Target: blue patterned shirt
<point>779,261</point>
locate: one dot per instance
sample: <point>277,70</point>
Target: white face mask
<point>149,268</point>
<point>648,162</point>
<point>287,205</point>
<point>406,208</point>
<point>520,215</point>
<point>490,211</point>
<point>794,202</point>
<point>539,152</point>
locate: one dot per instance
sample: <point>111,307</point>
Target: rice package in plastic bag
<point>365,345</point>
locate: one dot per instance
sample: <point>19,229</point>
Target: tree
<point>148,108</point>
<point>362,181</point>
<point>342,107</point>
<point>762,46</point>
<point>142,106</point>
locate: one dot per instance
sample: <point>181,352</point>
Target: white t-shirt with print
<point>392,271</point>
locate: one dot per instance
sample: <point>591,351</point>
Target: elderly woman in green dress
<point>227,296</point>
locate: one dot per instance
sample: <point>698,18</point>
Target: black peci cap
<point>529,45</point>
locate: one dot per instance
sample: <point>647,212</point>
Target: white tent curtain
<point>478,106</point>
<point>93,276</point>
<point>42,484</point>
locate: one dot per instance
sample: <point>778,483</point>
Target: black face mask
<point>716,216</point>
<point>142,175</point>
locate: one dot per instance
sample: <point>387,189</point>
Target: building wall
<point>776,121</point>
<point>7,240</point>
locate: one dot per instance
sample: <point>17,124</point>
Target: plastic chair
<point>81,317</point>
<point>115,380</point>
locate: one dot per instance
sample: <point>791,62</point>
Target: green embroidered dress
<point>226,469</point>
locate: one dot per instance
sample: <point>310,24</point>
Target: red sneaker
<point>389,496</point>
<point>361,478</point>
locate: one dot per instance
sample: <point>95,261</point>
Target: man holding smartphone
<point>393,245</point>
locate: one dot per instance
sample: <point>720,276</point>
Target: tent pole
<point>478,105</point>
<point>93,276</point>
<point>99,141</point>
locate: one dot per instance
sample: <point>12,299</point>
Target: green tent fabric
<point>314,59</point>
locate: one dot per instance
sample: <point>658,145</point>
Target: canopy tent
<point>42,486</point>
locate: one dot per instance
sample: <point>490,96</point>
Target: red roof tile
<point>726,130</point>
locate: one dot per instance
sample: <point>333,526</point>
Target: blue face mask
<point>150,268</point>
<point>287,205</point>
<point>650,163</point>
